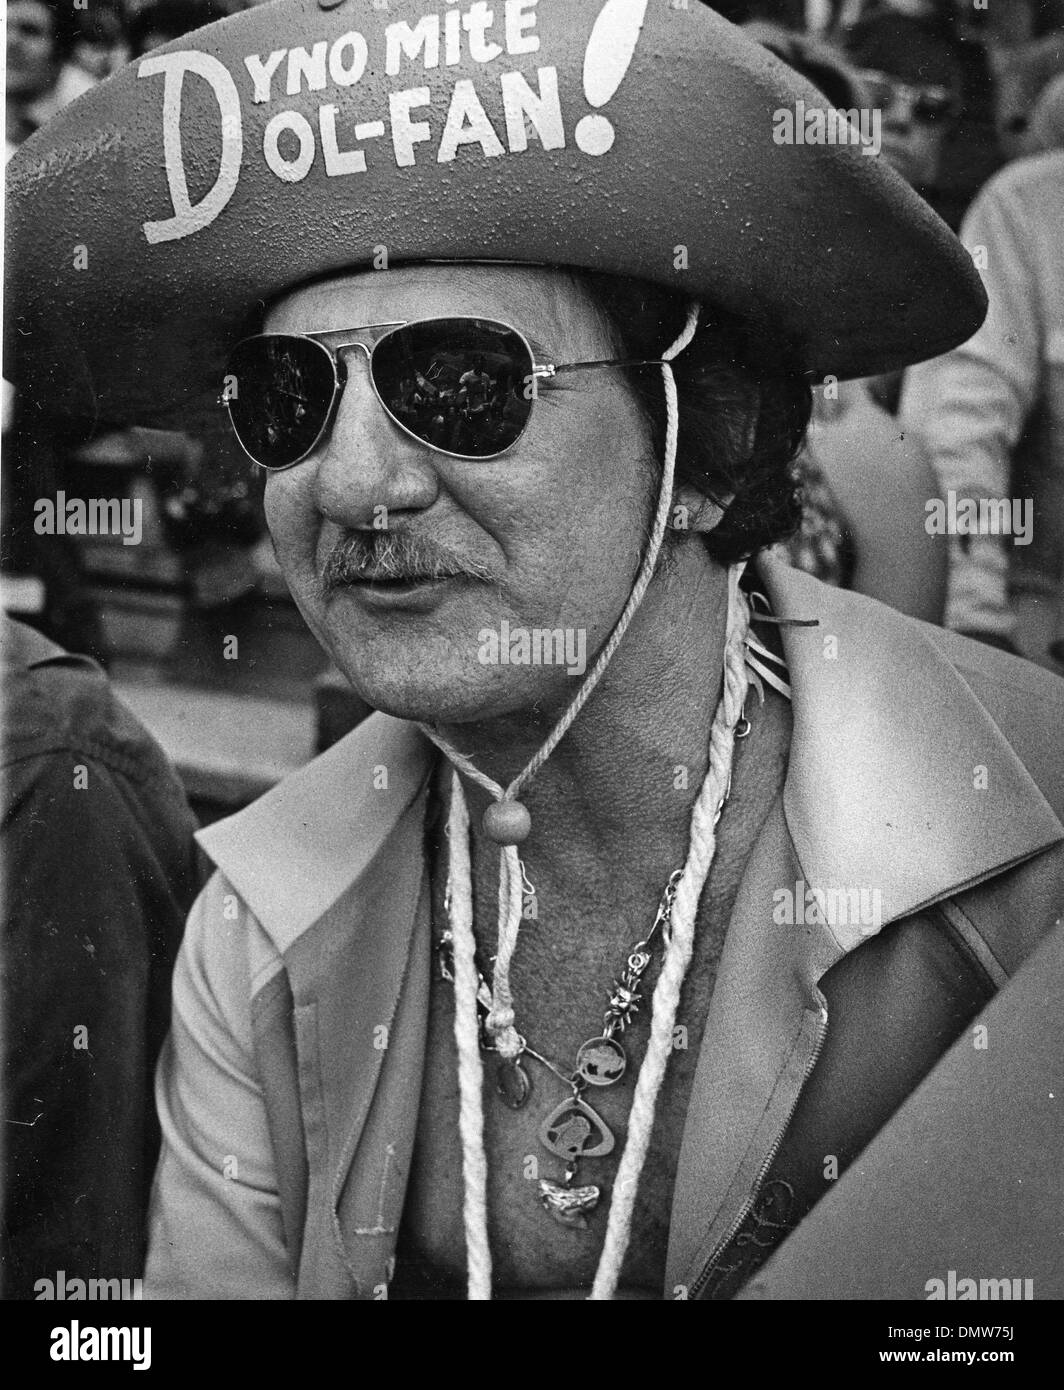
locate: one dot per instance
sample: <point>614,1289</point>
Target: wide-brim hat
<point>303,137</point>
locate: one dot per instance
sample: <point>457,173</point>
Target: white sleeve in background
<point>215,1223</point>
<point>971,405</point>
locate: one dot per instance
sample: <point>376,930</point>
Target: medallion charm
<point>601,1061</point>
<point>574,1131</point>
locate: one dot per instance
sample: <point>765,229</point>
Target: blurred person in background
<point>41,35</point>
<point>1045,131</point>
<point>1027,53</point>
<point>100,871</point>
<point>101,45</point>
<point>992,411</point>
<point>864,481</point>
<point>930,75</point>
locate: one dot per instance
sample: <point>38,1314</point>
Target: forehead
<point>546,304</point>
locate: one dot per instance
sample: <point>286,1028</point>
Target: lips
<point>410,593</point>
<point>397,581</point>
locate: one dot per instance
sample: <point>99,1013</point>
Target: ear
<point>693,511</point>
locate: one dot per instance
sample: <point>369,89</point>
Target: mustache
<point>395,555</point>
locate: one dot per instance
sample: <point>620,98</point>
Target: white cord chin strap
<point>501,1018</point>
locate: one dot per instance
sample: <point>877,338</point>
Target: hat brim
<point>110,318</point>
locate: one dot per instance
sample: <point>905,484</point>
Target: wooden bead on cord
<point>507,822</point>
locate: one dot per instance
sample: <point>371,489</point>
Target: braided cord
<point>467,1039</point>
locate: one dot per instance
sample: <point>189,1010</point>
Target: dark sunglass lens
<point>279,396</point>
<point>463,385</point>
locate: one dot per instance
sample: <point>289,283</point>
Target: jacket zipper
<point>751,1197</point>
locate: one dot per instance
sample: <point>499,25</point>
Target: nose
<point>366,462</point>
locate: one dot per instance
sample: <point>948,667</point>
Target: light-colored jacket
<point>992,411</point>
<point>922,765</point>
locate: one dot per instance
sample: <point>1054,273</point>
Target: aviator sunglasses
<point>926,102</point>
<point>465,387</point>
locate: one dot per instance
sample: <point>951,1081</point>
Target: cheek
<point>292,519</point>
<point>571,511</point>
<point>610,488</point>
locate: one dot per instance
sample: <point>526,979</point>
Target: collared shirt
<point>921,767</point>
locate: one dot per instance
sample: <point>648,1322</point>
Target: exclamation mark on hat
<point>609,52</point>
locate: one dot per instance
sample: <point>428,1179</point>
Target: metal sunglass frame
<point>926,100</point>
<point>542,371</point>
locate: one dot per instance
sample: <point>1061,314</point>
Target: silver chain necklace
<point>574,1130</point>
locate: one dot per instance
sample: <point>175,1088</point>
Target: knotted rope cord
<point>470,1069</point>
<point>500,1021</point>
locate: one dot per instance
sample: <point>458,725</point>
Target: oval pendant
<point>512,1083</point>
<point>601,1061</point>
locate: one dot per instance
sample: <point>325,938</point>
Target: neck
<point>612,803</point>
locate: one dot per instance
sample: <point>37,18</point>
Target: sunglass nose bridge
<point>364,348</point>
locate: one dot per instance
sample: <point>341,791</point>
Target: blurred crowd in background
<point>965,88</point>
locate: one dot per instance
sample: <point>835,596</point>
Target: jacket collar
<point>883,788</point>
<point>899,778</point>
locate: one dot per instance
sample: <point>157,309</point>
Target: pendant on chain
<point>601,1061</point>
<point>569,1205</point>
<point>573,1131</point>
<point>513,1083</point>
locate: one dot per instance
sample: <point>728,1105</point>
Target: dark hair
<point>102,22</point>
<point>744,408</point>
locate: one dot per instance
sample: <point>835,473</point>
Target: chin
<point>453,693</point>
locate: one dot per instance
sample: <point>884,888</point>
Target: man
<point>992,414</point>
<point>579,1007</point>
<point>99,873</point>
<point>932,82</point>
<point>40,80</point>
